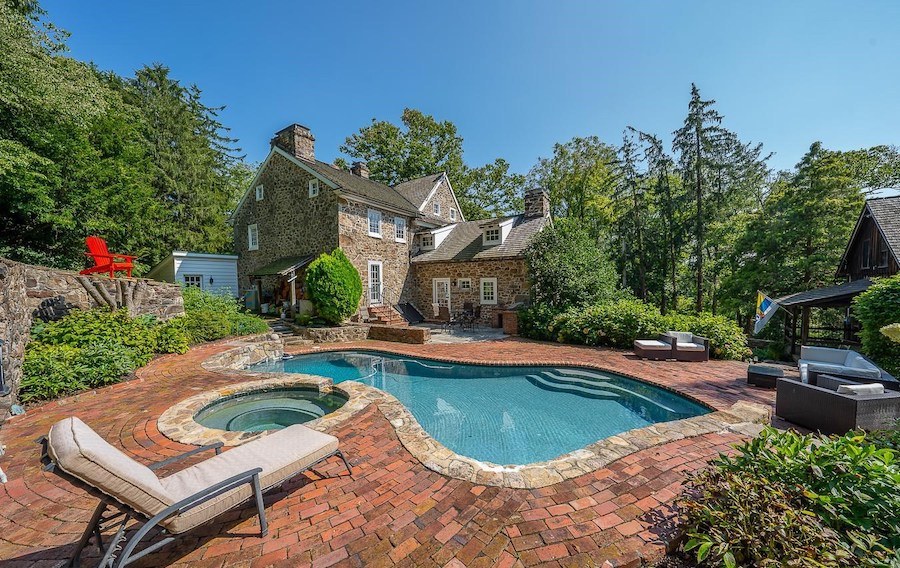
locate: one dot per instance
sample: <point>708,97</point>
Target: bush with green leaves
<point>619,323</point>
<point>568,269</point>
<point>798,500</point>
<point>334,286</point>
<point>209,316</point>
<point>877,307</point>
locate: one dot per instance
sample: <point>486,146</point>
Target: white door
<point>376,283</point>
<point>441,291</point>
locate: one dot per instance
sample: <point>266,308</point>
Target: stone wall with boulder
<point>23,287</point>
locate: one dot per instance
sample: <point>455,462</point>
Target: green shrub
<point>567,268</point>
<point>209,316</point>
<point>806,499</point>
<point>876,308</point>
<point>51,371</point>
<point>83,328</point>
<point>619,323</point>
<point>172,337</point>
<point>334,286</point>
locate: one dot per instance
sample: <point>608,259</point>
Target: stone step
<point>294,340</point>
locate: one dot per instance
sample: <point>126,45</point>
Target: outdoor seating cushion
<point>82,453</point>
<point>875,388</point>
<point>681,336</point>
<point>281,455</point>
<point>652,344</point>
<point>690,346</point>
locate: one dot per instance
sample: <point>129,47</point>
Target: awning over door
<point>284,266</point>
<point>832,296</point>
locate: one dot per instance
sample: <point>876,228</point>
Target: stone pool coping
<point>178,424</point>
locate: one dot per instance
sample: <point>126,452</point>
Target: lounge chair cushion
<point>652,344</point>
<point>681,336</point>
<point>82,453</point>
<point>874,388</point>
<point>690,346</point>
<point>280,455</point>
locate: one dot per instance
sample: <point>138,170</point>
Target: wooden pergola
<point>799,306</point>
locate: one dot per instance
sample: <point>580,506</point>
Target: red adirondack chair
<point>104,261</point>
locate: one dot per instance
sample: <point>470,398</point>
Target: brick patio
<point>392,511</point>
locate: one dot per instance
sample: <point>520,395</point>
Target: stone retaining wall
<point>400,334</point>
<point>333,334</point>
<point>23,287</point>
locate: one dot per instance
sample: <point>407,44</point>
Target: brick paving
<point>392,511</point>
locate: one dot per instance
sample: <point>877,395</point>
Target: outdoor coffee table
<point>764,375</point>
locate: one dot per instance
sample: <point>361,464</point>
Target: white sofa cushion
<point>824,354</point>
<point>682,346</point>
<point>652,344</point>
<point>874,388</point>
<point>681,336</point>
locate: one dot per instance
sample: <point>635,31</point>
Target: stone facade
<point>537,203</point>
<point>338,334</point>
<point>23,287</point>
<point>512,284</point>
<point>443,196</point>
<point>360,248</point>
<point>290,223</point>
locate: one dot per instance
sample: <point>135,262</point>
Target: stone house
<point>410,243</point>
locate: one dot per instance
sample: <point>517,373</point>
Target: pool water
<point>504,415</point>
<point>268,410</point>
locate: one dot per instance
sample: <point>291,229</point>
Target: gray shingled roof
<point>416,190</point>
<point>886,212</point>
<point>464,241</point>
<point>363,187</point>
<point>838,295</point>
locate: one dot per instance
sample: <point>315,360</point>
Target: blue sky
<point>516,77</point>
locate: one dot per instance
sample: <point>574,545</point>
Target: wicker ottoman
<point>765,376</point>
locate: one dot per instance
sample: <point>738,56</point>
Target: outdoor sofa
<point>843,363</point>
<point>183,500</point>
<point>678,345</point>
<point>818,405</point>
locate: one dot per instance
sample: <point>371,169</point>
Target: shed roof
<point>284,266</point>
<point>831,296</point>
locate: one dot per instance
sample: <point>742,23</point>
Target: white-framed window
<point>400,229</point>
<point>252,237</point>
<point>464,283</point>
<point>436,207</point>
<point>428,241</point>
<point>193,280</point>
<point>492,236</point>
<point>313,187</point>
<point>452,214</point>
<point>375,223</point>
<point>260,191</point>
<point>489,291</point>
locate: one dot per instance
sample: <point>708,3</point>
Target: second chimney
<point>537,203</point>
<point>360,169</point>
<point>296,140</point>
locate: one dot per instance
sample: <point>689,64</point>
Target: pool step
<point>600,385</point>
<point>550,381</point>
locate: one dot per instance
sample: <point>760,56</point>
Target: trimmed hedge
<point>334,286</point>
<point>878,307</point>
<point>619,323</point>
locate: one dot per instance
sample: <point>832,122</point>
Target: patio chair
<point>446,319</point>
<point>823,406</point>
<point>183,500</point>
<point>688,347</point>
<point>104,261</point>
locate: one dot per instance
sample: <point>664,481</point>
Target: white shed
<point>212,272</point>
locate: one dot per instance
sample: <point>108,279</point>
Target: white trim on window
<point>436,207</point>
<point>260,192</point>
<point>492,236</point>
<point>488,289</point>
<point>313,185</point>
<point>452,214</point>
<point>464,283</point>
<point>374,221</point>
<point>253,237</point>
<point>400,229</point>
<point>193,280</point>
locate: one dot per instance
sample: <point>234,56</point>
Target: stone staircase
<point>286,333</point>
<point>386,315</point>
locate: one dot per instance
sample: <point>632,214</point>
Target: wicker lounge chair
<point>841,363</point>
<point>183,500</point>
<point>818,406</point>
<point>689,347</point>
<point>656,349</point>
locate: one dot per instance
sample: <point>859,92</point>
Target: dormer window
<point>260,190</point>
<point>492,236</point>
<point>428,241</point>
<point>436,207</point>
<point>313,187</point>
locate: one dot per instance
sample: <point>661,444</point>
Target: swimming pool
<point>503,415</point>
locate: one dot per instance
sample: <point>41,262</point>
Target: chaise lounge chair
<point>182,500</point>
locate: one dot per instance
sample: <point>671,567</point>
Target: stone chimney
<point>537,203</point>
<point>296,140</point>
<point>360,169</point>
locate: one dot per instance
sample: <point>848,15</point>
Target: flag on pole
<point>765,309</point>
